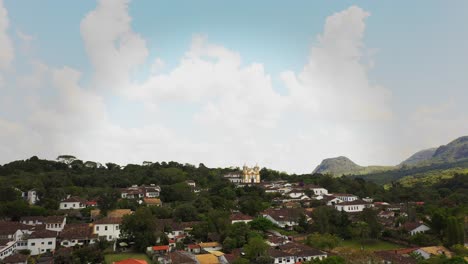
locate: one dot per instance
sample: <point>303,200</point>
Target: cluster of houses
<point>45,234</point>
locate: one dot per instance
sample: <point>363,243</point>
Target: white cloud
<point>114,49</point>
<point>226,112</point>
<point>6,46</point>
<point>334,84</point>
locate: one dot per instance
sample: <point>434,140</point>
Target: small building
<point>283,217</point>
<point>414,228</point>
<point>345,197</point>
<point>108,228</point>
<point>353,206</point>
<point>77,234</point>
<point>42,241</point>
<point>240,217</point>
<point>73,203</point>
<point>152,201</point>
<point>193,248</point>
<point>210,246</point>
<point>428,252</point>
<point>139,192</point>
<point>161,250</point>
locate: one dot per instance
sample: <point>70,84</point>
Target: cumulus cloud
<point>6,45</point>
<point>113,48</point>
<point>211,107</point>
<point>334,84</point>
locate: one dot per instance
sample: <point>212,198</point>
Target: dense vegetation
<point>444,209</point>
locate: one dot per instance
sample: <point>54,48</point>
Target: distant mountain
<point>445,162</point>
<point>453,151</point>
<point>340,166</point>
<point>337,166</point>
<point>419,156</point>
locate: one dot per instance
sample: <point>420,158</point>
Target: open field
<point>373,246</point>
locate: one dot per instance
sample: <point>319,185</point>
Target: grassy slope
<point>118,257</point>
<point>374,246</point>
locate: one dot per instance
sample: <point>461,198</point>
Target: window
<point>97,228</point>
<point>105,228</point>
<point>74,205</point>
<point>110,237</point>
<point>49,243</point>
<point>65,205</point>
<point>42,243</point>
<point>117,227</point>
<point>33,244</point>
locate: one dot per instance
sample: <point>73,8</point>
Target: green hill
<point>419,156</point>
<point>340,166</point>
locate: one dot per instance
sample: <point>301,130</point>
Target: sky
<point>280,84</point>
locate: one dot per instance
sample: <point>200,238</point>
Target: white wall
<point>112,232</point>
<point>41,245</point>
<point>71,205</point>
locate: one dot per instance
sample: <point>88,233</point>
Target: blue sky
<point>389,79</point>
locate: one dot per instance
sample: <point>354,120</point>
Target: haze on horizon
<point>279,84</point>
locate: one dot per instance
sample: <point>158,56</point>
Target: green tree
<point>455,232</point>
<point>256,247</point>
<point>261,224</point>
<point>140,228</point>
<point>325,241</point>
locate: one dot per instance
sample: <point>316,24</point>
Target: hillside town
<point>302,223</point>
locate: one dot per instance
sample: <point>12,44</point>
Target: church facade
<point>251,175</point>
<point>246,176</point>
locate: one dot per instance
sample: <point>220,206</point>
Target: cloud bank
<point>212,107</point>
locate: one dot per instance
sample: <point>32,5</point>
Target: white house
<point>108,228</point>
<point>428,252</point>
<point>240,217</point>
<point>31,196</point>
<point>414,228</point>
<point>42,241</point>
<point>138,192</point>
<point>296,193</point>
<point>77,234</point>
<point>345,197</point>
<point>52,223</point>
<point>283,217</point>
<point>330,200</point>
<point>353,206</point>
<point>294,252</point>
<point>318,190</point>
<point>73,203</point>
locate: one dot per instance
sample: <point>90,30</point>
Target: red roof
<point>131,261</point>
<point>193,246</point>
<point>159,248</point>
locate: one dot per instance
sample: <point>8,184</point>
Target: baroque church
<point>246,176</point>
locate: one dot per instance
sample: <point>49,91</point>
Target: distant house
<point>331,200</point>
<point>77,234</point>
<point>353,206</point>
<point>42,241</point>
<point>108,228</point>
<point>193,248</point>
<point>152,201</point>
<point>210,246</point>
<point>283,217</point>
<point>31,196</point>
<point>294,253</point>
<point>52,223</point>
<point>414,228</point>
<point>345,197</point>
<point>161,250</point>
<point>317,190</point>
<point>139,192</point>
<point>428,252</point>
<point>74,203</point>
<point>240,217</point>
<point>395,257</point>
<point>234,177</point>
<point>296,193</point>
